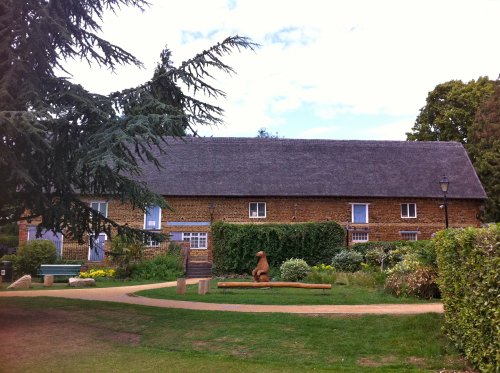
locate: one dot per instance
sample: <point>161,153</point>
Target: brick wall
<point>384,218</point>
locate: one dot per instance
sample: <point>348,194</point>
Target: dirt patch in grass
<point>371,362</point>
<point>32,336</point>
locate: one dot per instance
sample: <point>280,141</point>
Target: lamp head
<point>444,183</point>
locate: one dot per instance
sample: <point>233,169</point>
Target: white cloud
<point>361,57</point>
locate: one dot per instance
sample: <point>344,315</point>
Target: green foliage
<point>322,274</point>
<point>484,149</point>
<point>450,110</point>
<point>367,279</point>
<point>294,270</point>
<point>81,143</point>
<point>124,252</point>
<point>162,267</point>
<point>30,255</point>
<point>235,245</point>
<point>469,277</point>
<point>9,235</point>
<point>347,261</point>
<point>419,282</point>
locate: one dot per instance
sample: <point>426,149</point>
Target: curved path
<point>125,294</point>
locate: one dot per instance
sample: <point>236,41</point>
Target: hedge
<point>235,245</point>
<point>469,277</point>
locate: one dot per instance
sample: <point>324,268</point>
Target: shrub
<point>322,274</point>
<point>347,261</point>
<point>124,252</point>
<point>234,245</point>
<point>98,273</point>
<point>294,270</point>
<point>420,282</point>
<point>162,267</point>
<point>372,279</point>
<point>30,255</point>
<point>469,277</point>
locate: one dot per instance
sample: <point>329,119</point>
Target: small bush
<point>30,255</point>
<point>294,270</point>
<point>396,284</point>
<point>369,279</point>
<point>322,274</point>
<point>163,267</point>
<point>98,273</point>
<point>124,253</point>
<point>347,261</point>
<point>422,283</point>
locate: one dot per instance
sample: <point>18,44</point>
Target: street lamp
<point>444,183</point>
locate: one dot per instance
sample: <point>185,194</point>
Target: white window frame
<point>257,216</point>
<point>352,212</point>
<point>360,237</point>
<point>158,223</point>
<point>409,235</point>
<point>187,236</point>
<point>149,242</point>
<point>99,205</point>
<point>408,211</point>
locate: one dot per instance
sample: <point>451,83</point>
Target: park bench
<point>59,269</point>
<point>228,285</point>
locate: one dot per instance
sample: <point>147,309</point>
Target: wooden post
<point>207,286</point>
<point>181,286</point>
<point>202,287</point>
<point>48,280</point>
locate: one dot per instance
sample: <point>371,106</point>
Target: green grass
<point>339,294</point>
<point>173,340</point>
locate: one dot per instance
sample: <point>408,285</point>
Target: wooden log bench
<point>229,285</point>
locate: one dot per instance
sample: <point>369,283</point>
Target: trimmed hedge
<point>235,245</point>
<point>469,278</point>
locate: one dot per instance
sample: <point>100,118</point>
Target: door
<point>96,247</point>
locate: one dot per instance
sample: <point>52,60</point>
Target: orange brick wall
<point>384,218</point>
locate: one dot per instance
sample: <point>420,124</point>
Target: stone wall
<point>384,218</point>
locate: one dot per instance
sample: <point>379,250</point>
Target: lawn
<point>339,294</point>
<point>109,337</point>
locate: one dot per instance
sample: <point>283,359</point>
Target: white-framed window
<point>152,218</point>
<point>198,240</point>
<point>359,236</point>
<point>257,209</point>
<point>150,242</point>
<point>408,210</point>
<point>101,207</point>
<point>409,236</point>
<point>360,213</point>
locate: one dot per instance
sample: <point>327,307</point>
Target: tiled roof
<point>316,168</point>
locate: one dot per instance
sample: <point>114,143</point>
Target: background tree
<point>58,141</point>
<point>450,110</point>
<point>263,133</point>
<point>484,150</point>
<point>469,113</point>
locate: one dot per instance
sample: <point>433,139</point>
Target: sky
<point>325,69</point>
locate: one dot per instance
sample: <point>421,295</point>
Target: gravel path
<point>125,294</point>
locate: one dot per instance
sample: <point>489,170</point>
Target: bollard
<point>207,286</point>
<point>181,286</point>
<point>202,287</point>
<point>48,280</point>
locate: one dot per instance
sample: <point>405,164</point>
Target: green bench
<point>59,269</point>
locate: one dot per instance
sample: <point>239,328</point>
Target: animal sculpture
<point>260,272</point>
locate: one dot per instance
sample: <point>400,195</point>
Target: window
<point>152,218</point>
<point>101,207</point>
<point>257,209</point>
<point>359,236</point>
<point>360,213</point>
<point>409,236</point>
<point>408,210</point>
<point>197,240</point>
<point>150,242</point>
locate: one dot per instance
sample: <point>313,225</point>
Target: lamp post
<point>444,183</point>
